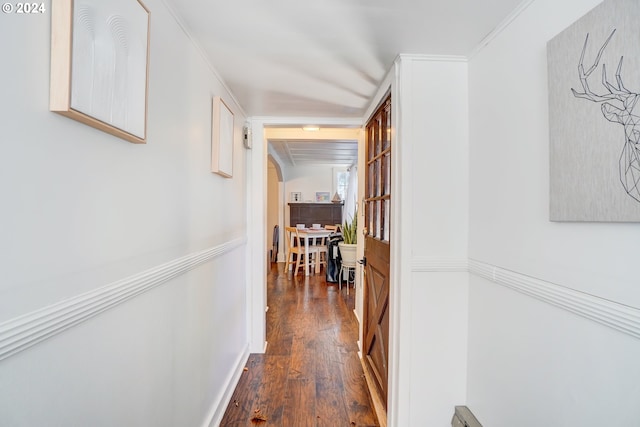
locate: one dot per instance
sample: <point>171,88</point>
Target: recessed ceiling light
<point>311,128</point>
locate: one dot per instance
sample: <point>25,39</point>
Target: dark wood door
<point>377,206</point>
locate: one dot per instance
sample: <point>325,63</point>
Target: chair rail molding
<point>425,264</point>
<point>22,332</point>
<point>615,315</point>
<point>618,316</point>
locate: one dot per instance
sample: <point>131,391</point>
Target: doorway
<point>259,233</point>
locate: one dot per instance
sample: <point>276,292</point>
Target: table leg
<point>306,255</point>
<point>317,267</point>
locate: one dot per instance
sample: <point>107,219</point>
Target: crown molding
<point>501,27</point>
<point>430,58</point>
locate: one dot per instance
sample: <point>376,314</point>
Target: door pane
<point>371,219</point>
<point>386,232</point>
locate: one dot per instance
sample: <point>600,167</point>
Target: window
<point>341,185</point>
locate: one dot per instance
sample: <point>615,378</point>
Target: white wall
<point>83,210</point>
<point>438,127</point>
<point>429,240</point>
<point>308,180</point>
<point>543,355</point>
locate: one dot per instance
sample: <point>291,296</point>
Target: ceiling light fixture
<point>311,128</point>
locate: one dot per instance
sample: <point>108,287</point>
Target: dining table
<point>311,234</point>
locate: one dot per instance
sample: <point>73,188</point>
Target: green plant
<point>350,231</point>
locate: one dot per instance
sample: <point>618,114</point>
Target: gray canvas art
<point>594,127</point>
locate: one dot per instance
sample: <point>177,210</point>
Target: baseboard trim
<point>219,407</point>
<point>32,328</point>
<point>377,401</point>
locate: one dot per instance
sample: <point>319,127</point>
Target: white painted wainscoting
<point>24,339</point>
<point>25,331</point>
<point>446,345</point>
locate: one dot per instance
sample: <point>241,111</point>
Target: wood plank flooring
<point>310,374</point>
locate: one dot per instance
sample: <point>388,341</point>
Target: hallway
<point>310,374</point>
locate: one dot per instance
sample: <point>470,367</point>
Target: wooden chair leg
<point>297,264</point>
<point>289,262</point>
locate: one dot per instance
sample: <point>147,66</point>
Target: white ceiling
<point>297,58</point>
<point>296,153</point>
<point>326,59</point>
<point>294,147</point>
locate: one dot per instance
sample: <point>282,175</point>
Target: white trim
<point>257,232</point>
<point>219,407</point>
<point>271,121</point>
<point>27,330</point>
<point>617,316</point>
<point>400,277</point>
<point>433,264</point>
<point>203,54</point>
<point>501,27</point>
<point>385,87</point>
<point>432,58</point>
<point>355,313</point>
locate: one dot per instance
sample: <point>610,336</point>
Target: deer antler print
<point>629,163</point>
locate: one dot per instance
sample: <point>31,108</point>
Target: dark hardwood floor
<point>310,374</point>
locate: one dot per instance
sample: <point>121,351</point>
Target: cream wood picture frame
<point>100,65</point>
<point>222,139</point>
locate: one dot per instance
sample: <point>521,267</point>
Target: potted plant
<point>349,243</point>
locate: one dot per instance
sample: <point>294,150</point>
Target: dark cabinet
<point>315,213</point>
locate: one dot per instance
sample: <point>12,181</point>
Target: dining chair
<point>276,243</point>
<point>293,248</point>
<point>319,245</point>
<point>320,252</point>
<point>317,252</point>
<point>345,268</point>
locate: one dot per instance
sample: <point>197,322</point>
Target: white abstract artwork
<point>594,127</point>
<point>109,63</point>
<point>222,138</point>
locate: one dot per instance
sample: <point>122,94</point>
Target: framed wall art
<point>323,197</point>
<point>594,127</point>
<point>100,65</point>
<point>222,139</point>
